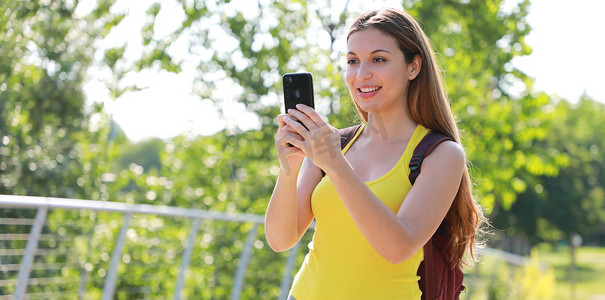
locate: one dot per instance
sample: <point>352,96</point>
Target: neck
<point>390,126</point>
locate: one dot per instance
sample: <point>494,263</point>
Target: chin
<point>367,106</point>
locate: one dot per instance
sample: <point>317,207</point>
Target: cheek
<point>350,77</point>
<point>396,75</point>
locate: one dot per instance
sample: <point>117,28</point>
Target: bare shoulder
<point>447,155</point>
<point>450,148</point>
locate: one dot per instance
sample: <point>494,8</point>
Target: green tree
<point>503,122</point>
<point>574,200</point>
<point>50,144</point>
<point>145,153</point>
<point>44,125</point>
<point>476,42</point>
<point>247,49</point>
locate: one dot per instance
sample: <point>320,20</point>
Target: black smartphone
<point>298,88</point>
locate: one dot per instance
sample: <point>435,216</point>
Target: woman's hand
<point>318,140</point>
<point>290,158</point>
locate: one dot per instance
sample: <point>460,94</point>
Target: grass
<point>493,278</point>
<point>590,271</point>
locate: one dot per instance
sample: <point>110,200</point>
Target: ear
<point>414,67</point>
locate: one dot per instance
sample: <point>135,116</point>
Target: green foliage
<point>501,121</point>
<point>476,42</point>
<point>46,52</point>
<point>573,200</point>
<point>145,154</point>
<point>529,154</point>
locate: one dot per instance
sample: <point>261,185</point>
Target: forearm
<point>281,218</point>
<point>383,229</point>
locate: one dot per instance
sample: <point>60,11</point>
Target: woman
<point>371,224</point>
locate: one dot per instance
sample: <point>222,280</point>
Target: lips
<point>367,92</point>
<point>369,89</point>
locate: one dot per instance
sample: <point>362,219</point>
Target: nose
<point>363,72</point>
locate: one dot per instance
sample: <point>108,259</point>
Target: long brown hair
<point>428,105</point>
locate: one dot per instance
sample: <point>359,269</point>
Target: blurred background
<point>173,103</point>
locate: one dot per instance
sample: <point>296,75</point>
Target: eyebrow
<point>375,51</point>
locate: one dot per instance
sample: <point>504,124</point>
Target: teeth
<point>367,90</point>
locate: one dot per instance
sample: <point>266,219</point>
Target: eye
<point>379,59</point>
<point>351,61</point>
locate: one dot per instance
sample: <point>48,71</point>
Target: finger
<point>280,138</point>
<point>281,142</point>
<point>292,151</point>
<point>285,147</point>
<point>302,117</point>
<point>287,135</point>
<point>292,138</point>
<point>280,120</point>
<point>289,129</point>
<point>298,128</point>
<point>311,114</point>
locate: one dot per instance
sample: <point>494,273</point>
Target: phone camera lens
<point>288,79</point>
<point>297,94</point>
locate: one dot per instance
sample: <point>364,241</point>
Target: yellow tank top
<point>341,264</point>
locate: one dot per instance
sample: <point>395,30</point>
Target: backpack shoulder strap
<point>429,272</point>
<point>346,135</point>
<point>424,148</point>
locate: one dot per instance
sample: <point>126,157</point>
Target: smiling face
<point>377,74</point>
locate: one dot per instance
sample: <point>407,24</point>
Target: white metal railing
<point>44,204</point>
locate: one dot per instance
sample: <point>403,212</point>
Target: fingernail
<point>299,105</point>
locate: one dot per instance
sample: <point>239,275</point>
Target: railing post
<point>30,248</point>
<point>243,265</point>
<point>186,259</point>
<point>83,278</point>
<point>286,279</point>
<point>84,272</point>
<point>110,281</point>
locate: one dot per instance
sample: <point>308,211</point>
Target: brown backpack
<point>439,279</point>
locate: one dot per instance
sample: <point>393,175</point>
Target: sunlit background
<point>566,62</point>
<point>137,150</point>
